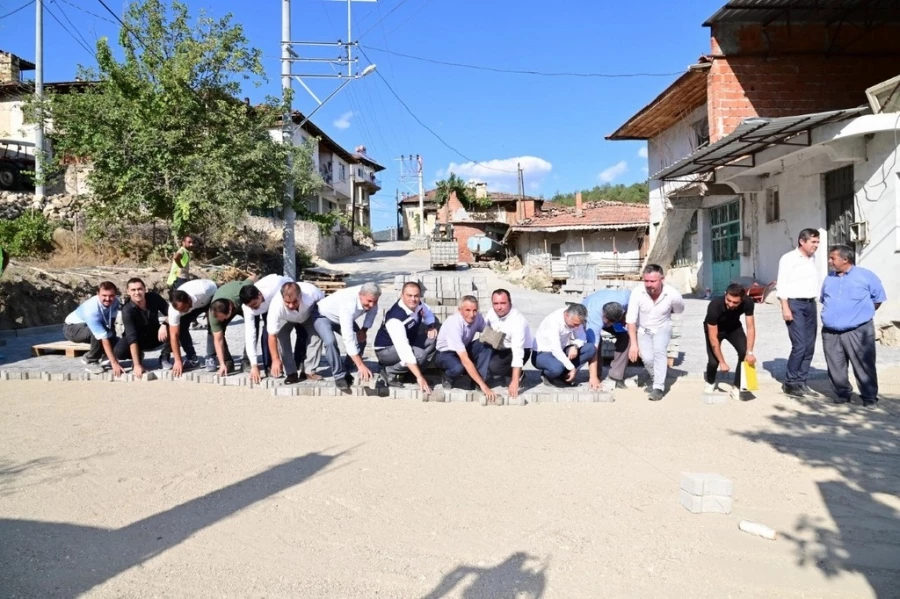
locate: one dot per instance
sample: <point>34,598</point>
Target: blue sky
<point>554,126</point>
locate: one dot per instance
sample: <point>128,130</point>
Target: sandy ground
<point>115,490</point>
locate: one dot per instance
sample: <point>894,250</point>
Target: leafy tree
<point>636,193</point>
<point>464,193</point>
<point>162,128</point>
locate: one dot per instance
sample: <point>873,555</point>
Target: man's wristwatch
<point>749,353</point>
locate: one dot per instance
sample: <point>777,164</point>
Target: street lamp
<point>366,71</point>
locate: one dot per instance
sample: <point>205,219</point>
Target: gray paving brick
<point>715,398</point>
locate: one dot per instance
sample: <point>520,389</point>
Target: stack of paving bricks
<point>706,493</point>
<point>442,294</point>
<point>420,242</point>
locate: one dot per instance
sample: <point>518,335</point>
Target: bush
<point>29,235</point>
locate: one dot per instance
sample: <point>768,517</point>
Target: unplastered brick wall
<point>462,233</point>
<point>782,70</point>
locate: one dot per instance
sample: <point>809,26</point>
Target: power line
<point>429,129</point>
<point>401,3</point>
<point>12,12</point>
<point>410,17</point>
<point>87,12</point>
<point>72,35</point>
<point>69,21</point>
<point>524,72</point>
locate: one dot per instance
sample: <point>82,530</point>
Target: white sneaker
<point>735,393</point>
<point>608,385</point>
<point>709,388</point>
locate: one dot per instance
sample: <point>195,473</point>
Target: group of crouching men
<point>294,323</point>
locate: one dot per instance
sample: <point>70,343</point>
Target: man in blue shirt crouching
<point>850,295</point>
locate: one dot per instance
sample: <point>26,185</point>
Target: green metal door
<point>725,232</point>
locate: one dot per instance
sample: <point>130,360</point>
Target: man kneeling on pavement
<point>143,329</point>
<point>510,354</point>
<point>406,340</point>
<point>94,322</point>
<point>606,314</point>
<point>562,346</point>
<point>459,353</point>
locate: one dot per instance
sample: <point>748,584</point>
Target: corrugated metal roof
<point>805,11</point>
<point>753,135</point>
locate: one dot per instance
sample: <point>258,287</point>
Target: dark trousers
<point>858,347</point>
<point>422,347</point>
<point>184,333</point>
<point>80,333</point>
<point>738,340</point>
<point>552,368</point>
<point>802,331</point>
<point>147,341</point>
<point>620,355</point>
<point>481,355</point>
<point>501,362</point>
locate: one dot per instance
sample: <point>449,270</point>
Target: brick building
<point>782,77</point>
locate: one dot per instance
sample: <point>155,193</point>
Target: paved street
<point>397,258</point>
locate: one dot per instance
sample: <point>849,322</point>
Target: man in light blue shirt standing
<point>850,296</point>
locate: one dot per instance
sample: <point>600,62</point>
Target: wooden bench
<point>72,350</point>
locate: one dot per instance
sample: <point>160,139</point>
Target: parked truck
<point>444,249</point>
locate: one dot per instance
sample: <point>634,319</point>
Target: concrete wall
<point>792,69</point>
<point>307,235</point>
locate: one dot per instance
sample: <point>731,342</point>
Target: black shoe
<point>656,394</point>
<point>292,379</point>
<point>619,384</point>
<point>446,382</point>
<point>391,380</point>
<point>840,399</point>
<point>868,403</point>
<point>342,384</point>
<point>793,390</point>
<point>804,388</point>
<point>558,383</point>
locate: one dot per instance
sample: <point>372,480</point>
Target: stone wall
<point>307,235</point>
<point>54,207</point>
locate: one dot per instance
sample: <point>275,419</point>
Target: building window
<point>342,171</point>
<point>773,207</point>
<point>839,212</point>
<point>684,255</point>
<point>555,250</point>
<point>701,132</point>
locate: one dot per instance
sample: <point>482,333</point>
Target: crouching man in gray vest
<point>400,345</point>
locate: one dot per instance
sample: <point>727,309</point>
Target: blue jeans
<point>552,368</point>
<point>481,355</point>
<point>802,331</point>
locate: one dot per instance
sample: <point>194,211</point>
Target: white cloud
<point>343,121</point>
<point>642,153</point>
<point>614,172</point>
<point>500,174</point>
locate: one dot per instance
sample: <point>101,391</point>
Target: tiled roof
<point>595,215</point>
<point>496,196</point>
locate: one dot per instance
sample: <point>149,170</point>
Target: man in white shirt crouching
<point>518,342</point>
<point>294,307</point>
<point>561,346</point>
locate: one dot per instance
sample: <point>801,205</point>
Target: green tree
<point>636,193</point>
<point>464,193</point>
<point>163,129</point>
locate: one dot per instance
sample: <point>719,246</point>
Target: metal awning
<point>752,136</point>
<point>806,11</point>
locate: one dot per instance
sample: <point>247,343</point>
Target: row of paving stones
<point>278,389</point>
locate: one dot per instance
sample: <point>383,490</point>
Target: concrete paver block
<point>284,391</point>
<point>604,397</point>
<point>715,398</point>
<point>706,504</point>
<point>60,376</point>
<point>706,483</point>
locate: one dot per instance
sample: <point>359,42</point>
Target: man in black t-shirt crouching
<point>723,323</point>
<point>143,329</point>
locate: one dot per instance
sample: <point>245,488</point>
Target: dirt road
<point>160,489</point>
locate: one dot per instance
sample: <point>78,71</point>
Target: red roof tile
<point>595,215</point>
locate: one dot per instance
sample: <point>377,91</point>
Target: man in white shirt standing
<point>797,288</point>
<point>518,342</point>
<point>649,322</point>
<point>561,346</point>
<point>255,300</point>
<point>407,338</point>
<point>337,314</point>
<point>294,307</point>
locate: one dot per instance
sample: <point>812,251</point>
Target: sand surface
<point>162,490</point>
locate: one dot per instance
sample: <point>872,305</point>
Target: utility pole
<point>421,195</point>
<point>289,251</point>
<point>519,207</point>
<point>397,202</point>
<point>39,94</point>
<point>352,199</point>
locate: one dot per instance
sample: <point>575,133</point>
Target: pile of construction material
<point>443,293</point>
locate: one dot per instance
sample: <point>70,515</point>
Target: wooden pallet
<point>72,350</point>
<point>329,287</point>
<point>317,273</point>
